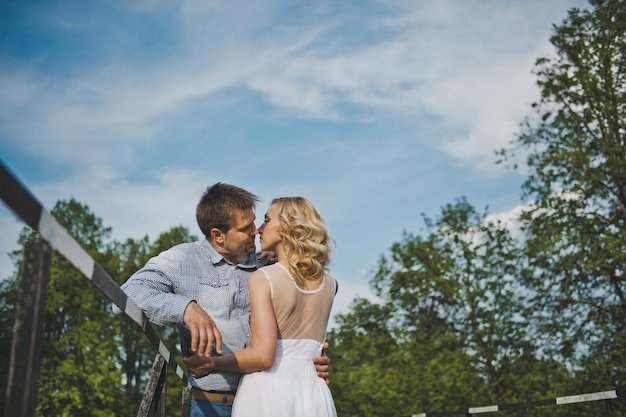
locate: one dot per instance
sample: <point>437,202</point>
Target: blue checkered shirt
<point>195,271</point>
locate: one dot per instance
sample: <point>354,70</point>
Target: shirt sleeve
<point>152,289</point>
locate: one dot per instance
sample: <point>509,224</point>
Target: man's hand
<point>204,332</point>
<point>198,366</point>
<point>322,364</point>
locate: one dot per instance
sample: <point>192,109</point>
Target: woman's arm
<point>262,351</point>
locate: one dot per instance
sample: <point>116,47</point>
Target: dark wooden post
<point>186,411</point>
<point>28,330</point>
<point>608,408</point>
<point>156,389</point>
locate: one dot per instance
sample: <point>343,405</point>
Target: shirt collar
<point>216,257</point>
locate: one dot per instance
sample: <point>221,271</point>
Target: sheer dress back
<point>300,314</point>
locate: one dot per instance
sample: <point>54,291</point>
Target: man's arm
<point>152,290</point>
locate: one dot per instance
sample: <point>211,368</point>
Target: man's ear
<point>217,235</point>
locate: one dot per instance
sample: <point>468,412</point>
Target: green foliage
<point>449,331</point>
<point>8,297</point>
<point>460,280</point>
<point>365,377</point>
<point>79,372</point>
<point>136,355</point>
<point>375,374</point>
<point>93,363</point>
<point>576,224</point>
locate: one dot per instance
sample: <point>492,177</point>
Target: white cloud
<point>470,66</point>
<point>466,63</point>
<point>510,220</point>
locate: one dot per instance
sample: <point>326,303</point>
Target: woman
<point>290,302</point>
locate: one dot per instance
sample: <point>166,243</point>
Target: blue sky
<point>377,111</point>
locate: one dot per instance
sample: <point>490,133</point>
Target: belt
<point>214,396</point>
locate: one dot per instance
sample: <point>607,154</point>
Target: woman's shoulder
<point>269,271</point>
<point>276,269</point>
<point>331,282</point>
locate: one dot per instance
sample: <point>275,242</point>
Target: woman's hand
<point>199,366</point>
<point>267,257</point>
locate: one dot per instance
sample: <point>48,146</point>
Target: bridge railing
<point>30,308</point>
<point>607,396</point>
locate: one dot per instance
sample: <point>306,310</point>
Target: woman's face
<point>268,231</point>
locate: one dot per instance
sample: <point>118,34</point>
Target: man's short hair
<point>218,206</point>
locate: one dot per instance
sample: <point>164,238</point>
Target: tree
<point>136,354</point>
<point>8,297</point>
<point>461,280</point>
<point>79,375</point>
<point>365,376</point>
<point>449,331</point>
<point>576,220</point>
<point>93,363</point>
<point>375,372</point>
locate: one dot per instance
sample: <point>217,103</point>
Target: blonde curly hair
<point>304,237</point>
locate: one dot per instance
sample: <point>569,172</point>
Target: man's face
<point>238,243</point>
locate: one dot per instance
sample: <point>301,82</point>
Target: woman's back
<point>300,313</point>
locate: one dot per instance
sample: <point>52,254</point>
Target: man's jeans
<point>210,409</point>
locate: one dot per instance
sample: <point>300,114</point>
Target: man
<point>202,287</point>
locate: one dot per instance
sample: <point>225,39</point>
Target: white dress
<point>291,387</point>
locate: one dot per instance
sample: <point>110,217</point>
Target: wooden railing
<point>607,396</point>
<point>30,308</point>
